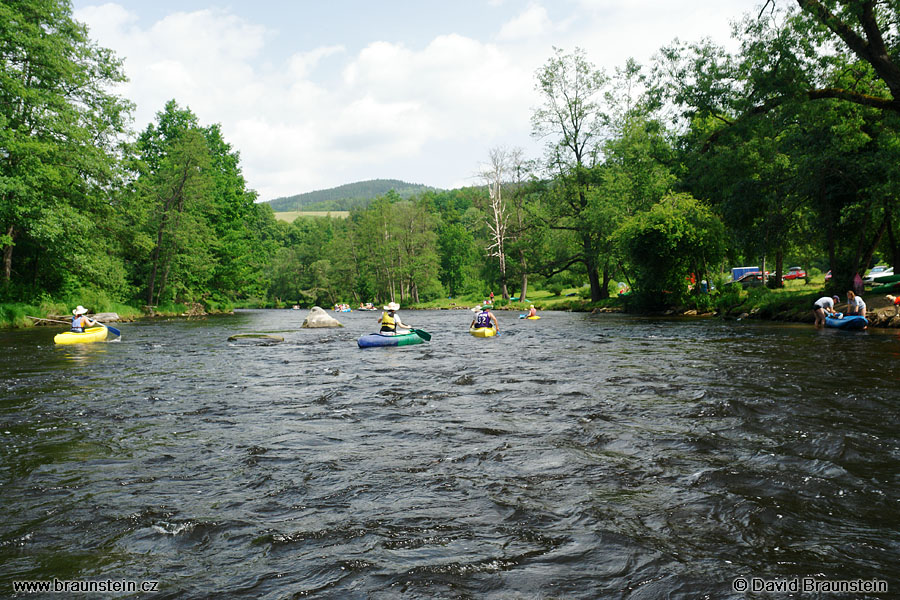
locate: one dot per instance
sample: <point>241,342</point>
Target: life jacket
<point>483,319</point>
<point>78,324</point>
<point>388,323</point>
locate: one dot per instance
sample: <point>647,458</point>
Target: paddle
<point>112,330</point>
<point>522,316</point>
<point>422,334</point>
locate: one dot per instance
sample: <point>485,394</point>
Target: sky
<point>317,94</point>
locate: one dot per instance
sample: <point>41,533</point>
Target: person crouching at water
<point>80,321</point>
<point>824,305</point>
<point>390,320</point>
<point>855,304</point>
<point>484,318</point>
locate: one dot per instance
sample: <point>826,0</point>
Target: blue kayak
<point>851,323</point>
<point>374,340</point>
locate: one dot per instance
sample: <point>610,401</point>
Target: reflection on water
<point>577,456</point>
<point>82,354</point>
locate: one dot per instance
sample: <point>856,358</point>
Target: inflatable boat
<point>854,322</point>
<point>91,334</point>
<point>483,331</point>
<point>374,340</point>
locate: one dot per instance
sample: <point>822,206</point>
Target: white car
<point>878,271</point>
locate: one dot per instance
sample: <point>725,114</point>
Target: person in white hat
<point>390,320</point>
<point>80,321</point>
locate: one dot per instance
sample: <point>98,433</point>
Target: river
<point>578,456</point>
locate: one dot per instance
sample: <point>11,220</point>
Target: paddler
<point>390,320</point>
<point>483,318</point>
<point>80,321</point>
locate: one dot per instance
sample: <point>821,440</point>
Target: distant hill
<point>347,196</point>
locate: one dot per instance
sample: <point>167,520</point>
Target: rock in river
<point>317,317</point>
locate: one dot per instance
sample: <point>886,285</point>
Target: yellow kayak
<point>91,334</point>
<point>483,331</point>
<point>534,318</point>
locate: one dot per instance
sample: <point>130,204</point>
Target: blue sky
<point>318,94</point>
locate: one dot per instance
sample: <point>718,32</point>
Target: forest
<point>785,151</point>
<point>347,196</point>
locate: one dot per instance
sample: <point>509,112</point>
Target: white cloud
<point>534,22</point>
<point>323,115</point>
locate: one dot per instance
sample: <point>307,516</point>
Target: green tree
<point>59,133</point>
<point>674,239</point>
<point>181,190</point>
<point>572,119</point>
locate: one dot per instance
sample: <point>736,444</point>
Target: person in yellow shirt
<point>390,320</point>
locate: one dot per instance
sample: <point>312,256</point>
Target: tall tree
<point>59,131</point>
<point>572,120</point>
<point>494,175</point>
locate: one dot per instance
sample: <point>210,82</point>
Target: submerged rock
<point>259,339</point>
<point>317,317</point>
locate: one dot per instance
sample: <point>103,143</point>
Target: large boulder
<point>107,317</point>
<point>317,317</point>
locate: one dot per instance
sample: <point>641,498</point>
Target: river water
<point>578,456</point>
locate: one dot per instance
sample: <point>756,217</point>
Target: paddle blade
<point>114,331</point>
<point>522,316</point>
<point>422,334</point>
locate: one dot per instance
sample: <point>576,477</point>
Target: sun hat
<point>476,308</point>
<point>392,306</point>
<point>80,310</point>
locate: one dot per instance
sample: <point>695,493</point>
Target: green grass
<point>291,215</point>
<point>542,300</point>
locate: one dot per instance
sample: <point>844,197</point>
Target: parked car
<point>794,273</point>
<point>878,271</point>
<point>749,279</point>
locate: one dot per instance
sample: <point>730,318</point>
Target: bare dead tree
<point>498,217</point>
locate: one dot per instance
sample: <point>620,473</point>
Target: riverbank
<point>791,303</point>
<point>48,313</point>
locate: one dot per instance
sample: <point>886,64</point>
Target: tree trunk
<point>524,266</point>
<point>604,291</point>
<point>7,254</point>
<point>892,239</point>
<point>779,268</point>
<point>867,257</point>
<point>594,278</point>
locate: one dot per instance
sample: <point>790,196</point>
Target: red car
<point>794,273</point>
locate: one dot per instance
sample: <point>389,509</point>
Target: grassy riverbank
<point>791,303</point>
<point>46,311</point>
